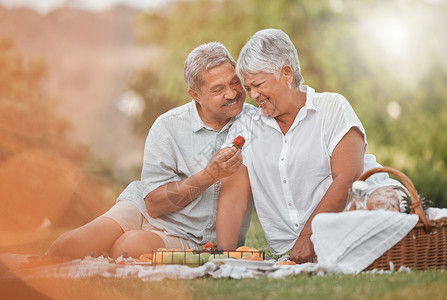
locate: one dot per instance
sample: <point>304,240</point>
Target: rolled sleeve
<point>341,118</point>
<point>159,163</point>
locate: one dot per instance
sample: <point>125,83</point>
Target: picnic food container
<point>195,258</point>
<point>425,246</point>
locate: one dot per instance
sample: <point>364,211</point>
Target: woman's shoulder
<point>248,107</point>
<point>329,98</point>
<point>247,112</point>
<point>331,102</point>
<point>244,121</point>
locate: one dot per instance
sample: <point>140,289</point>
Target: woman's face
<point>267,91</point>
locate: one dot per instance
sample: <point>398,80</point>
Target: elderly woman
<point>302,153</point>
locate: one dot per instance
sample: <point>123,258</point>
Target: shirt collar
<point>197,123</point>
<point>310,94</point>
<point>309,105</point>
<point>258,114</point>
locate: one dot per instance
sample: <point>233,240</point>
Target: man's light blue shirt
<point>178,146</point>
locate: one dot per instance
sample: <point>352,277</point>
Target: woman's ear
<point>287,72</point>
<point>194,95</point>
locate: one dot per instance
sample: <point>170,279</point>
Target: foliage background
<point>386,57</point>
<point>43,174</point>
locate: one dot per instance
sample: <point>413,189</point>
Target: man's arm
<point>176,195</point>
<point>347,166</point>
<point>233,201</point>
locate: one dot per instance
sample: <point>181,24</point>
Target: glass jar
<point>357,196</point>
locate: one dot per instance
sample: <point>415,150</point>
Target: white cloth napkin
<point>434,213</point>
<point>350,241</point>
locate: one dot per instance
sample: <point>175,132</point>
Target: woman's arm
<point>233,201</point>
<point>346,167</point>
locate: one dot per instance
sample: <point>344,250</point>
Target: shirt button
<point>285,141</point>
<point>284,181</point>
<point>282,158</point>
<point>290,204</point>
<point>296,225</point>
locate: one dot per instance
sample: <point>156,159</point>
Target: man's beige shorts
<point>127,215</point>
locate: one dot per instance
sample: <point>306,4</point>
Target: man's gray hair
<point>267,51</point>
<point>203,58</point>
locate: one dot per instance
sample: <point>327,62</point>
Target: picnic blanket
<point>90,267</point>
<point>344,243</point>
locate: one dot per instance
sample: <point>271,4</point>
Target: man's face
<point>221,95</point>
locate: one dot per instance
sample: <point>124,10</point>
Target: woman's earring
<point>290,86</point>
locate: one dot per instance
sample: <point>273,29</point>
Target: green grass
<point>413,285</point>
<point>255,237</point>
<point>430,284</point>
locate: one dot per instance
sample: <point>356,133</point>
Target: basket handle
<point>416,203</point>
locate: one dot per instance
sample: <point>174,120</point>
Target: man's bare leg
<point>94,239</point>
<point>136,242</point>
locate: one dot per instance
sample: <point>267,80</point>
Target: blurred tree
<point>146,84</point>
<point>396,85</point>
<point>41,170</point>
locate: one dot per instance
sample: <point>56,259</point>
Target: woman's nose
<point>253,94</point>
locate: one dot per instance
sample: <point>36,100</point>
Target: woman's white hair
<point>203,58</point>
<point>267,51</point>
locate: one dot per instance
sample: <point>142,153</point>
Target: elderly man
<point>174,205</point>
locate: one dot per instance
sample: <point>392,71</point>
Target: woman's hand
<point>303,250</point>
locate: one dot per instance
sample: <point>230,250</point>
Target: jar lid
<point>360,186</point>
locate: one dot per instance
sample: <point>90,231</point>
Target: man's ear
<point>287,72</point>
<point>194,95</point>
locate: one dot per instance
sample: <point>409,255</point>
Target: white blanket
<point>91,267</point>
<point>348,242</point>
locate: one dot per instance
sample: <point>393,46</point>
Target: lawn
<point>431,284</point>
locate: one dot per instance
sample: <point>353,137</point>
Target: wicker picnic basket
<point>425,246</point>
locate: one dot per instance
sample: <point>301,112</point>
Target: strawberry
<point>208,247</point>
<point>238,142</point>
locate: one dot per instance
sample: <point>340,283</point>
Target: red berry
<point>209,246</point>
<point>239,141</point>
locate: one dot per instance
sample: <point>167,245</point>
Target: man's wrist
<point>210,175</point>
